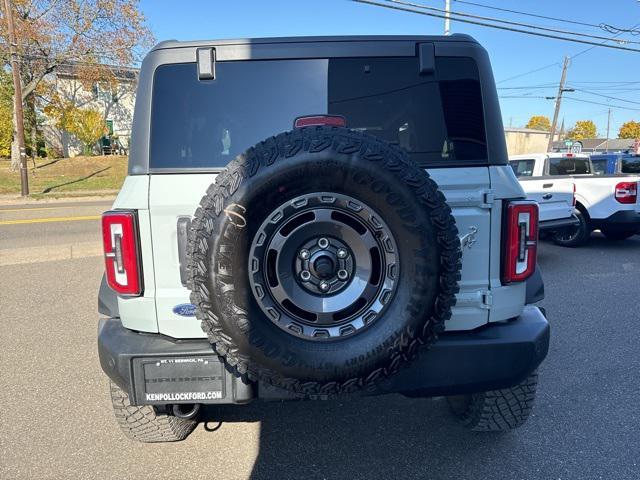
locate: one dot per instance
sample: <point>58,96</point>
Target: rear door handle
<point>547,196</point>
<point>547,185</point>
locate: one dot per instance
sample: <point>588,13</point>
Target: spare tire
<point>321,259</point>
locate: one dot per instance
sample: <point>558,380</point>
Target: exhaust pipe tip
<point>187,411</point>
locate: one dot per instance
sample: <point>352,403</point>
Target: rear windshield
<point>599,166</point>
<point>204,124</point>
<point>522,168</point>
<point>569,166</point>
<point>631,164</point>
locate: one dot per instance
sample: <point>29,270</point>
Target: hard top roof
<point>169,44</point>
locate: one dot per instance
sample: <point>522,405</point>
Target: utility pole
<point>447,20</point>
<point>608,124</point>
<point>17,99</point>
<point>561,89</point>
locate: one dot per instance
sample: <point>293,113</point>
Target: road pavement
<point>43,232</point>
<point>56,419</point>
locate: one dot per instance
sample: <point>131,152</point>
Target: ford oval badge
<point>185,310</point>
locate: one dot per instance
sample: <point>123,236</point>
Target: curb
<point>46,253</point>
<point>85,197</point>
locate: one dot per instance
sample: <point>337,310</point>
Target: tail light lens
<point>121,252</point>
<point>521,241</point>
<point>627,192</point>
<point>574,194</point>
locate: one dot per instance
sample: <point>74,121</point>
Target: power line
<point>529,72</point>
<point>602,26</point>
<point>506,22</point>
<point>538,34</point>
<point>606,96</point>
<point>608,46</point>
<point>603,104</point>
<point>530,87</point>
<point>527,96</point>
<point>610,82</point>
<point>568,98</point>
<point>556,63</point>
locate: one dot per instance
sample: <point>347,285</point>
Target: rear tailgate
<point>554,196</point>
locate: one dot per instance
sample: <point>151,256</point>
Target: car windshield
<point>436,118</point>
<point>569,166</point>
<point>631,164</point>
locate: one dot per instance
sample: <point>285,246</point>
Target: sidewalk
<point>75,196</point>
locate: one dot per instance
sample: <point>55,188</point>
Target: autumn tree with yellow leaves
<point>86,35</point>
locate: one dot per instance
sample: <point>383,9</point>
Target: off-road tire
<point>251,344</point>
<point>582,232</point>
<point>144,424</point>
<point>618,234</point>
<point>496,410</point>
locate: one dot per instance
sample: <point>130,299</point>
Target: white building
<point>114,99</point>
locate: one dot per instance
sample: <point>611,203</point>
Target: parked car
<point>357,253</point>
<point>605,202</point>
<point>615,163</point>
<point>555,197</point>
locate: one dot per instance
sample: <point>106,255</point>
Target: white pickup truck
<point>555,197</point>
<point>605,202</point>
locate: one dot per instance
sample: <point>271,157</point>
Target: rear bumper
<point>559,223</point>
<point>624,219</point>
<point>491,357</point>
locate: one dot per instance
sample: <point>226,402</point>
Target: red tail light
<point>574,194</point>
<point>315,120</point>
<point>521,241</point>
<point>121,252</point>
<point>627,192</point>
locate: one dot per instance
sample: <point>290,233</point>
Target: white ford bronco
<point>605,202</point>
<point>319,217</point>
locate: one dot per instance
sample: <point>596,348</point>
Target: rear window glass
<point>569,166</point>
<point>599,166</point>
<point>204,124</point>
<point>631,165</point>
<point>522,168</point>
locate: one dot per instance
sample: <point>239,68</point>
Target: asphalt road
<point>56,419</point>
<point>50,224</point>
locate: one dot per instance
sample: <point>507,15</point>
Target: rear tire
<point>496,410</point>
<point>574,236</point>
<point>613,233</point>
<point>144,423</point>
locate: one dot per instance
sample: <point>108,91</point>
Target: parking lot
<point>57,422</point>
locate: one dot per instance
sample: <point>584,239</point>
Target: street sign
<point>576,147</point>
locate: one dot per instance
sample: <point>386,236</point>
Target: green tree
<point>539,122</point>
<point>88,34</point>
<point>87,126</point>
<point>583,129</point>
<point>629,129</point>
<point>6,113</point>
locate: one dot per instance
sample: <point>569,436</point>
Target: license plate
<point>182,380</point>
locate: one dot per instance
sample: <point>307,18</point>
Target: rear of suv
<point>319,217</point>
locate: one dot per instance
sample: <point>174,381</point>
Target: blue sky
<point>511,53</point>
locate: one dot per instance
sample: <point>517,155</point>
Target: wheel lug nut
<point>304,254</point>
<point>323,243</point>
<point>324,286</point>
<point>305,275</point>
<point>343,274</point>
<point>342,253</point>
